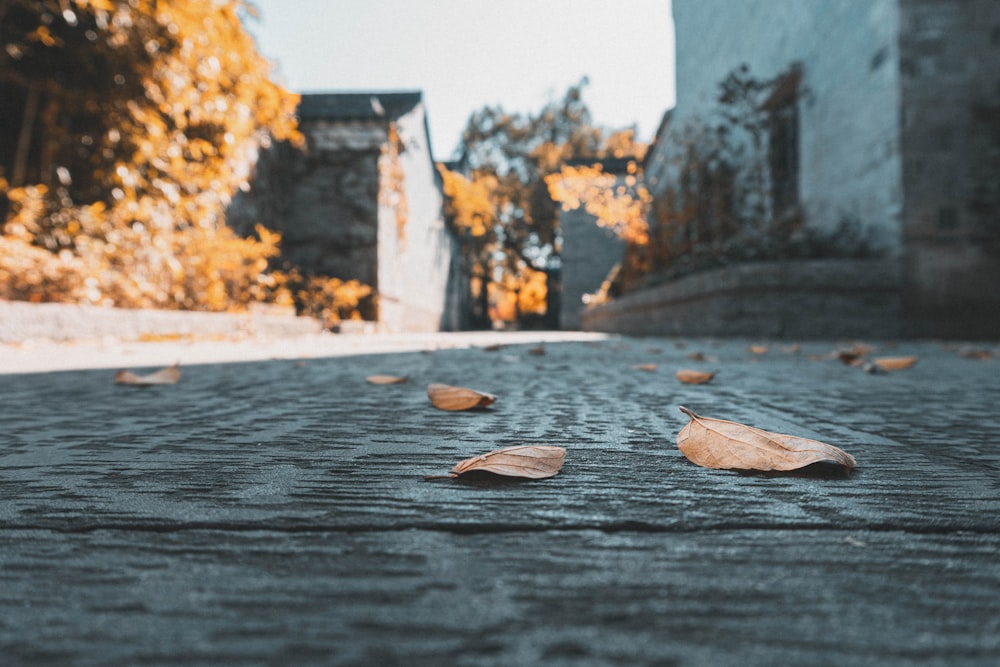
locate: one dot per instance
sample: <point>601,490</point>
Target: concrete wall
<point>849,122</point>
<point>415,260</point>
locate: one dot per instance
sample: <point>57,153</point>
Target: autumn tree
<point>125,128</point>
<point>502,205</point>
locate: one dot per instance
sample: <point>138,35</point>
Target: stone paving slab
<point>276,512</point>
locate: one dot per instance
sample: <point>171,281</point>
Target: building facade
<point>882,117</point>
<point>362,200</point>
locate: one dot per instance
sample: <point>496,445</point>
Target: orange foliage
<point>621,208</point>
<point>124,203</point>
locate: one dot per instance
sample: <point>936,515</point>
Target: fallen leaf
<point>530,461</point>
<point>794,348</point>
<point>974,353</point>
<point>169,375</point>
<point>758,349</point>
<point>694,377</point>
<point>717,443</point>
<point>850,357</point>
<point>385,379</point>
<point>696,356</point>
<point>447,397</point>
<point>645,367</point>
<point>894,363</point>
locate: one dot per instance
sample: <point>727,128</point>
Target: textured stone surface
<point>276,513</point>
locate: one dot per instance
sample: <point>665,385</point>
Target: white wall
<point>413,267</point>
<point>850,164</point>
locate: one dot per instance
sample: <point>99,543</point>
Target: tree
<point>127,125</point>
<point>506,158</point>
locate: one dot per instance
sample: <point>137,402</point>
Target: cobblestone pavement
<point>276,512</point>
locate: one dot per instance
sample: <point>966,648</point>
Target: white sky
<point>465,54</point>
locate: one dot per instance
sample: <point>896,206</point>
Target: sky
<point>467,54</point>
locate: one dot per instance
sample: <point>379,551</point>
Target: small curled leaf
<point>528,461</point>
<point>687,376</point>
<point>385,379</point>
<point>169,375</point>
<point>448,397</point>
<point>894,363</point>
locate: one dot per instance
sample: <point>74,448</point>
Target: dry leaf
<point>717,443</point>
<point>645,367</point>
<point>850,357</point>
<point>974,353</point>
<point>447,397</point>
<point>169,375</point>
<point>530,461</point>
<point>758,349</point>
<point>694,377</point>
<point>794,348</point>
<point>385,379</point>
<point>894,363</point>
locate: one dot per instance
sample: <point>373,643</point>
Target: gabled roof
<point>363,105</point>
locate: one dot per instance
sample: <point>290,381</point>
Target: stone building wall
<point>850,168</point>
<point>950,136</point>
<point>336,203</point>
<point>898,133</point>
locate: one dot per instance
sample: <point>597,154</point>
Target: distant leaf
<point>169,375</point>
<point>717,443</point>
<point>385,379</point>
<point>645,367</point>
<point>975,353</point>
<point>894,363</point>
<point>696,356</point>
<point>688,376</point>
<point>530,461</point>
<point>447,397</point>
<point>758,349</point>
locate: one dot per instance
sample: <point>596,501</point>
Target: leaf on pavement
<point>894,363</point>
<point>975,353</point>
<point>645,367</point>
<point>447,397</point>
<point>530,461</point>
<point>169,375</point>
<point>717,443</point>
<point>758,349</point>
<point>688,376</point>
<point>385,379</point>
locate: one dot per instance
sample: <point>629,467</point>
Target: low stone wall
<point>790,299</point>
<point>21,322</point>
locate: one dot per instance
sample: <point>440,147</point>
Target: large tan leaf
<point>169,375</point>
<point>447,397</point>
<point>530,461</point>
<point>717,443</point>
